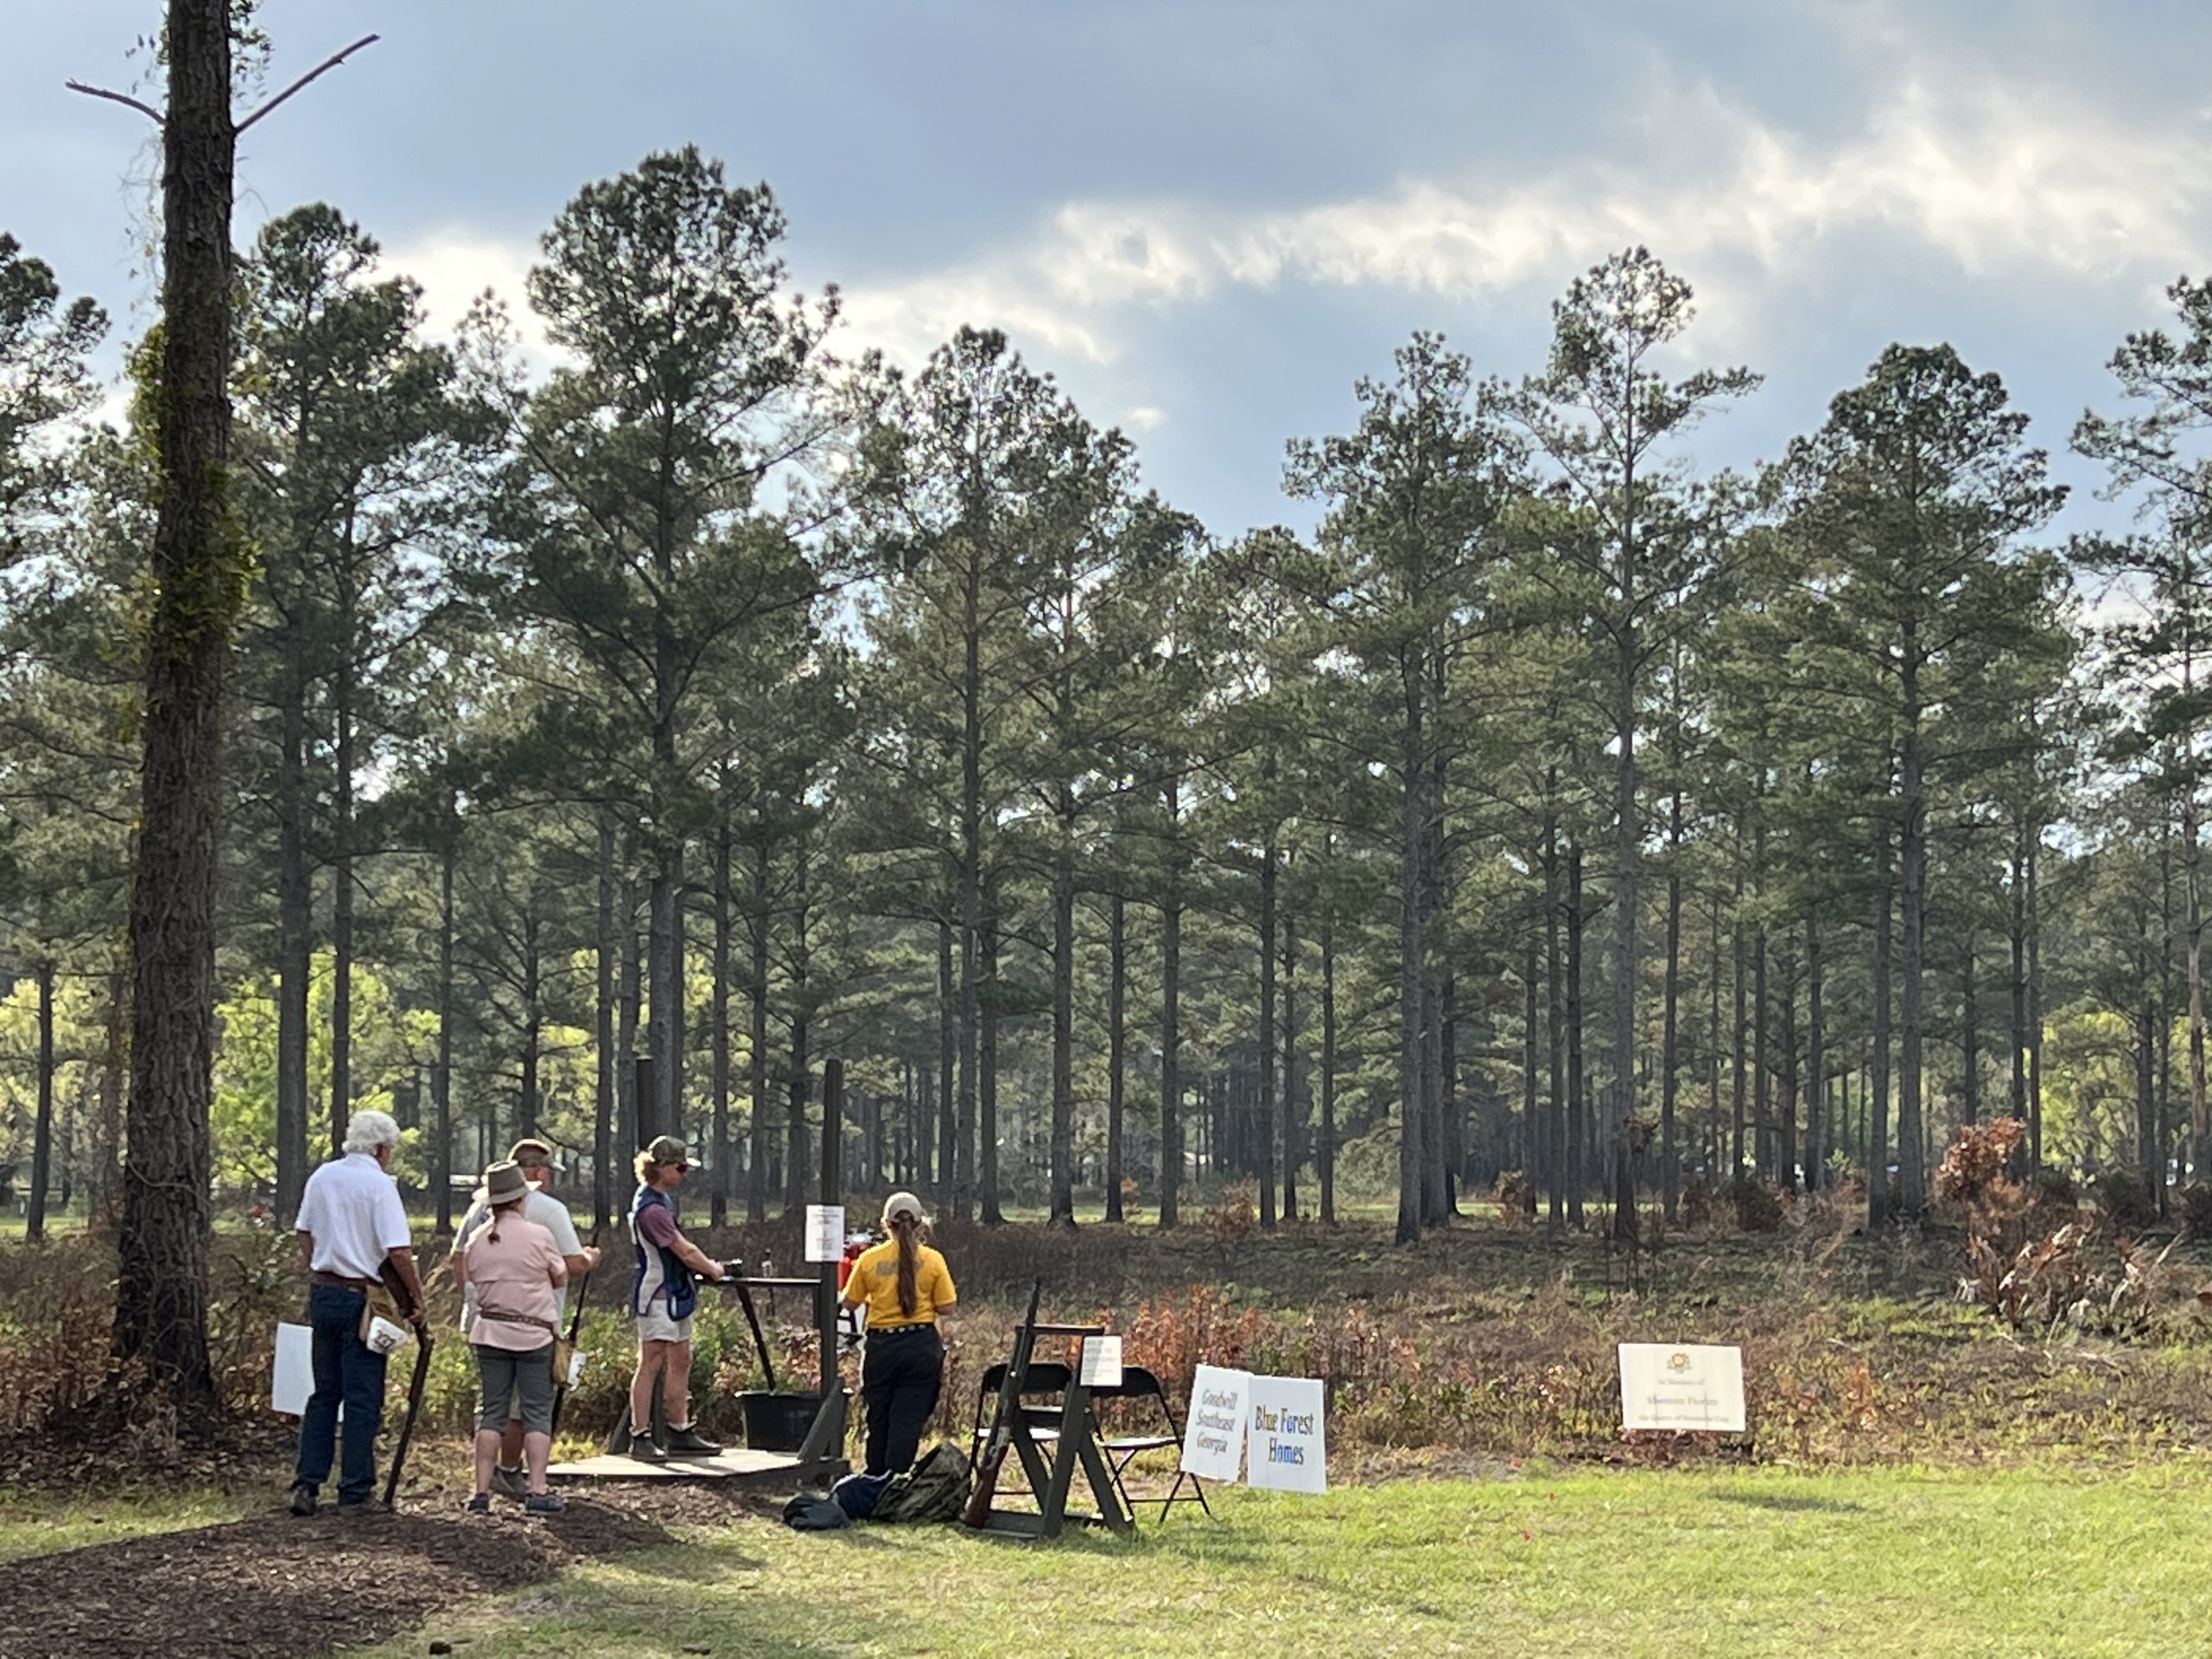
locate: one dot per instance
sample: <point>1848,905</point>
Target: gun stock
<point>1005,1416</point>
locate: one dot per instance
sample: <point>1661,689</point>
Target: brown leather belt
<point>340,1282</point>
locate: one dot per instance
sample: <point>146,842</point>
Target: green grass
<point>2018,1563</point>
<point>40,1524</point>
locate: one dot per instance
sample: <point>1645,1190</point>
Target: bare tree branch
<point>146,110</point>
<point>324,68</point>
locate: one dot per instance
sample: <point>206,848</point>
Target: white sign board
<point>292,1378</point>
<point>1101,1363</point>
<point>1664,1386</point>
<point>1288,1447</point>
<point>826,1231</point>
<point>1213,1438</point>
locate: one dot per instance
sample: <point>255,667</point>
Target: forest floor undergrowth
<point>1915,1468</point>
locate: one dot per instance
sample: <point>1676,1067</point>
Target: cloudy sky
<point>1209,216</point>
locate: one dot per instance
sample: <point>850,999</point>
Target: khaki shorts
<point>655,1325</point>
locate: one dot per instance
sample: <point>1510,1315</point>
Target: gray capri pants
<point>505,1377</point>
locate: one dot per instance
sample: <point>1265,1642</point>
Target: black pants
<point>899,1382</point>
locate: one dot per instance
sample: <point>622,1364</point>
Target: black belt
<point>901,1330</point>
<point>340,1282</point>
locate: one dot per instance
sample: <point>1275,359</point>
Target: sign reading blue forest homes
<point>1287,1447</point>
<point>1681,1386</point>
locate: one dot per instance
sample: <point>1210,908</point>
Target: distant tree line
<point>608,739</point>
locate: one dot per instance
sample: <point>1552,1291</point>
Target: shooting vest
<point>682,1287</point>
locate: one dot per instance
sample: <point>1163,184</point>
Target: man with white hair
<point>351,1224</point>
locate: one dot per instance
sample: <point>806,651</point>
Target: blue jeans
<point>344,1369</point>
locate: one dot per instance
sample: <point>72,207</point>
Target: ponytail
<point>903,1228</point>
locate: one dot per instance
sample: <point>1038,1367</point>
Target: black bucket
<point>777,1422</point>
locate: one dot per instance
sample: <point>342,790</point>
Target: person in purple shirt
<point>662,1293</point>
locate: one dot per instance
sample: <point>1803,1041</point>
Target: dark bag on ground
<point>935,1489</point>
<point>814,1512</point>
<point>858,1495</point>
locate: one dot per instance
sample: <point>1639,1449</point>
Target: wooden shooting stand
<point>1071,1427</point>
<point>821,1458</point>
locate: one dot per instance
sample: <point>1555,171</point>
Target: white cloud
<point>457,268</point>
<point>1993,177</point>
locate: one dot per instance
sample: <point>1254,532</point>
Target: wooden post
<point>825,1295</point>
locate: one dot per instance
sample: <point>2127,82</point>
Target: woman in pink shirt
<point>516,1267</point>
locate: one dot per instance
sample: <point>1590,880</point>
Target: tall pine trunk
<point>1412,964</point>
<point>295,931</point>
<point>1912,1197</point>
<point>1294,1148</point>
<point>602,1174</point>
<point>986,1137</point>
<point>2035,1003</point>
<point>1578,1168</point>
<point>1555,967</point>
<point>1818,1131</point>
<point>1263,1128</point>
<point>161,1314</point>
<point>1061,1206</point>
<point>442,1077</point>
<point>1325,1153</point>
<point>1531,1120</point>
<point>948,1047</point>
<point>1170,1018</point>
<point>42,1118</point>
<point>725,1156</point>
<point>1117,992</point>
<point>1879,1189</point>
<point>341,885</point>
<point>1670,1056</point>
<point>761,1119</point>
<point>798,1142</point>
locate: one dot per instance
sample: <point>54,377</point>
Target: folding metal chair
<point>1046,1379</point>
<point>1122,1450</point>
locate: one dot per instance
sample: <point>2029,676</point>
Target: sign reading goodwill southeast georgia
<point>1687,1386</point>
<point>1213,1436</point>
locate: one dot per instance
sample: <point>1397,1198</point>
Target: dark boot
<point>645,1449</point>
<point>688,1442</point>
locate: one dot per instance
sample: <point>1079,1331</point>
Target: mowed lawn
<point>2019,1562</point>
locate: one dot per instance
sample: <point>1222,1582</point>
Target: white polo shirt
<point>352,1210</point>
<point>548,1212</point>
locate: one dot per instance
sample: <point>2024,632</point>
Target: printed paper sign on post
<point>826,1231</point>
<point>1288,1444</point>
<point>1213,1438</point>
<point>1682,1387</point>
<point>1101,1363</point>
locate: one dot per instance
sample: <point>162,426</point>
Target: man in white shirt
<point>536,1159</point>
<point>351,1224</point>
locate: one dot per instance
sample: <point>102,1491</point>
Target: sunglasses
<point>679,1168</point>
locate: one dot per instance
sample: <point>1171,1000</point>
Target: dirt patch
<point>277,1586</point>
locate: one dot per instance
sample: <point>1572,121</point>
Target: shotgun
<point>575,1324</point>
<point>391,1276</point>
<point>1005,1417</point>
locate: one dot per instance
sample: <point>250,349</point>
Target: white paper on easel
<point>826,1231</point>
<point>1213,1435</point>
<point>292,1378</point>
<point>1101,1363</point>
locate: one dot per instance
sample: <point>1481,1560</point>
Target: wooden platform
<point>735,1463</point>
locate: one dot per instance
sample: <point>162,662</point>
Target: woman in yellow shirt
<point>907,1288</point>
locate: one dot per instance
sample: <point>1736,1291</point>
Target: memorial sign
<point>1684,1386</point>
